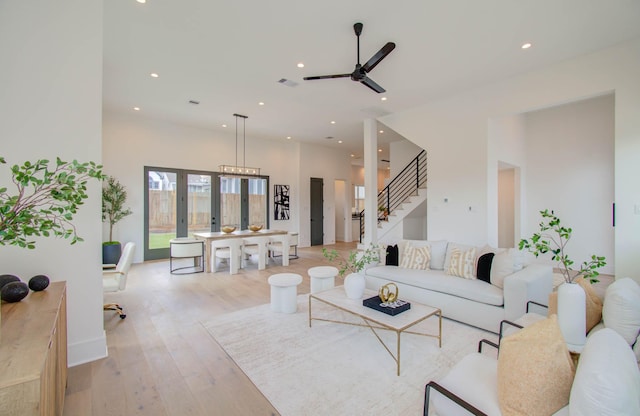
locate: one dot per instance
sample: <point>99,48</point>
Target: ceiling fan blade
<point>369,83</point>
<point>327,77</point>
<point>375,59</point>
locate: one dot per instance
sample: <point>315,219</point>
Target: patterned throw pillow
<point>462,263</point>
<point>416,257</point>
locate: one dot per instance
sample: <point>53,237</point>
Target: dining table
<point>208,237</point>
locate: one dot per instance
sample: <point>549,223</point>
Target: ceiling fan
<point>360,73</point>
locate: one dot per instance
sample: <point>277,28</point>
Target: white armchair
<point>115,280</point>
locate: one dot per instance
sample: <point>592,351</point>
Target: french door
<point>180,202</point>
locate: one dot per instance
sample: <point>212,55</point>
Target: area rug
<point>335,369</point>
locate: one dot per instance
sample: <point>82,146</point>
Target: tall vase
<point>572,315</point>
<point>354,286</point>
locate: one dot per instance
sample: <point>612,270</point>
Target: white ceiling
<point>229,55</point>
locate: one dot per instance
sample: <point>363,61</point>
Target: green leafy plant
<point>553,238</point>
<point>45,202</point>
<point>114,196</point>
<point>356,261</point>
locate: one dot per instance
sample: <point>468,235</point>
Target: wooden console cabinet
<point>33,354</point>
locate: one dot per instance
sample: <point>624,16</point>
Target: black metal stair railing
<point>405,184</point>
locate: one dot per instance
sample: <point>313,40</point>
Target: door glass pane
<point>162,208</point>
<point>198,203</point>
<point>230,202</point>
<point>258,201</point>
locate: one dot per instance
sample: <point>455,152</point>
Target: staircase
<point>404,193</point>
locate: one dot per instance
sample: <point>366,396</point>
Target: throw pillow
<point>436,248</point>
<point>462,263</point>
<point>392,255</point>
<point>607,380</point>
<point>535,370</point>
<point>621,310</point>
<point>593,303</point>
<point>450,247</point>
<point>416,258</point>
<point>501,267</point>
<point>484,267</point>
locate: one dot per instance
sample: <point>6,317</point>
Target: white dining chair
<point>282,243</point>
<point>115,280</point>
<point>229,249</point>
<point>255,246</point>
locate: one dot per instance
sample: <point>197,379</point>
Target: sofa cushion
<point>483,270</point>
<point>438,281</point>
<point>621,310</point>
<point>501,267</point>
<point>449,251</point>
<point>391,258</point>
<point>462,263</point>
<point>438,250</point>
<point>535,370</point>
<point>416,257</point>
<point>607,380</point>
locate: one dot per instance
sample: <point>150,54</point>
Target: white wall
<point>330,165</point>
<point>401,153</point>
<point>50,105</point>
<point>454,130</point>
<point>570,164</point>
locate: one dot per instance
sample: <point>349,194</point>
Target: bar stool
<point>184,248</point>
<point>284,292</point>
<point>322,278</point>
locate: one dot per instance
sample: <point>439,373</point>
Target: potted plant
<point>354,283</point>
<point>114,196</point>
<point>552,238</point>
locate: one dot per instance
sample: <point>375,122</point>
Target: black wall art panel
<point>281,202</point>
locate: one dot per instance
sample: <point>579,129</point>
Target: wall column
<point>370,182</point>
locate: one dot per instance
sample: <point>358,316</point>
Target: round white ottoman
<point>322,278</point>
<point>284,292</point>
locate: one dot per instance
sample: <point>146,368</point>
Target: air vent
<point>194,102</point>
<point>384,160</point>
<point>329,137</point>
<point>288,82</point>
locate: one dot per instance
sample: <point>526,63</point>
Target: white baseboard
<point>87,351</point>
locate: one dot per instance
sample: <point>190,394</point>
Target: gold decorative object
<point>228,229</point>
<point>255,228</point>
<point>388,293</point>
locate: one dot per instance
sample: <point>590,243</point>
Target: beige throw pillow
<point>462,263</point>
<point>535,370</point>
<point>416,257</point>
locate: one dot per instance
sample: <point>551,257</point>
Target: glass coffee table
<point>374,319</point>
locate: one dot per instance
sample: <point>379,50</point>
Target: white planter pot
<point>354,286</point>
<point>572,316</point>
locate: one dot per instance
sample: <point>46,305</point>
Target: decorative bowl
<point>228,229</point>
<point>255,228</point>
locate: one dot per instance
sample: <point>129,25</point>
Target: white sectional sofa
<point>466,299</point>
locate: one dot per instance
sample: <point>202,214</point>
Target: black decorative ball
<point>7,278</point>
<point>38,283</point>
<point>14,291</point>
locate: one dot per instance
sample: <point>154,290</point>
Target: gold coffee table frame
<point>373,319</point>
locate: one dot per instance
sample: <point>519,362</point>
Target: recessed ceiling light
<point>136,108</point>
<point>288,137</point>
<point>154,75</point>
<point>340,141</point>
<point>383,99</point>
<point>352,155</point>
<point>526,45</point>
<point>260,103</point>
<point>379,150</point>
<point>224,125</point>
<point>333,122</point>
<point>300,65</point>
<point>141,1</point>
<point>381,131</point>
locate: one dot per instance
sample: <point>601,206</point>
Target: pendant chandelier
<point>237,170</point>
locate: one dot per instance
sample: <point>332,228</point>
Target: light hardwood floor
<point>161,360</point>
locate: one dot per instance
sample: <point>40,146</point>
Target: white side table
<point>284,292</point>
<point>322,278</point>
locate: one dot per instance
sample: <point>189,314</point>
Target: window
<point>358,201</point>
